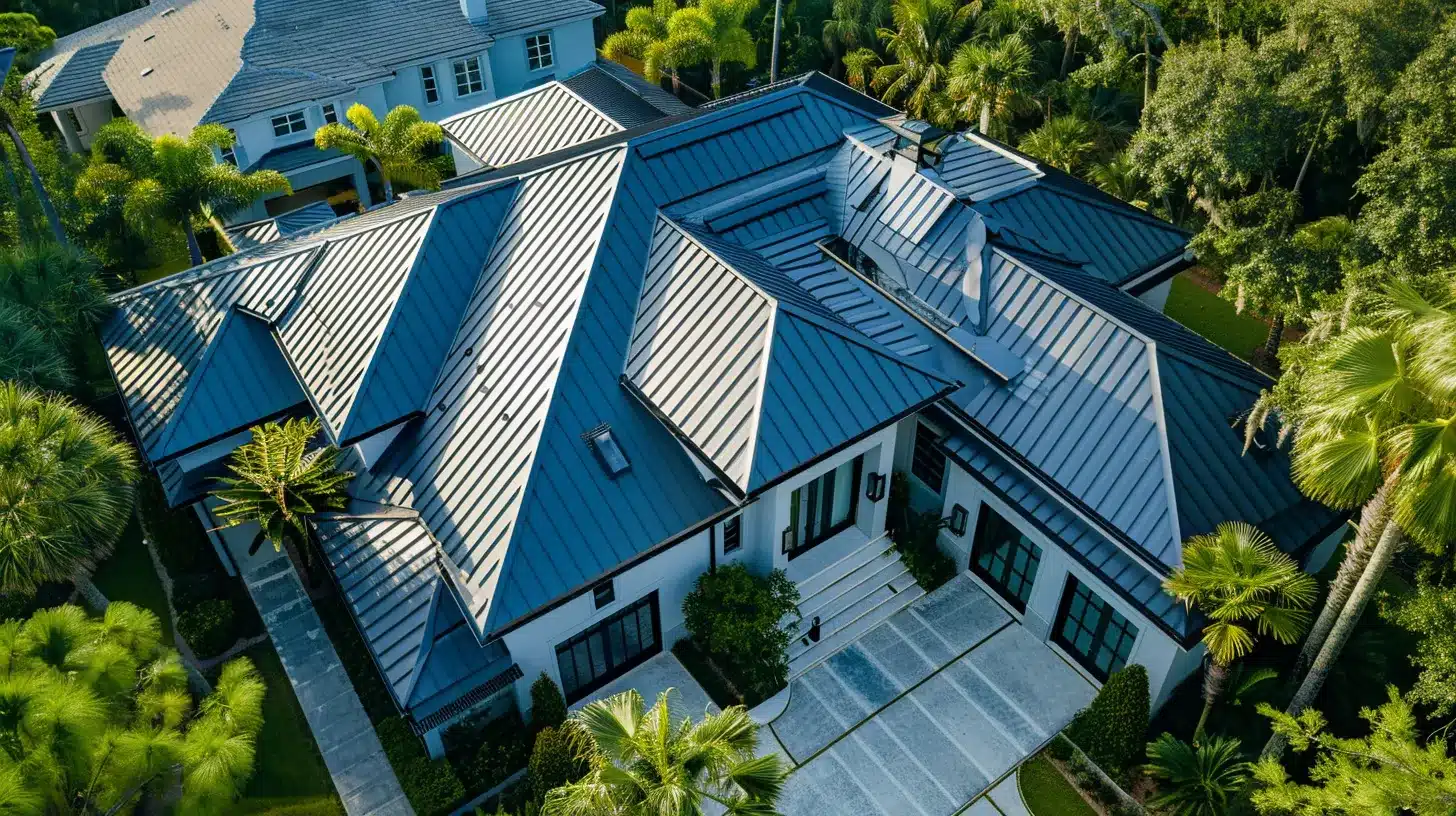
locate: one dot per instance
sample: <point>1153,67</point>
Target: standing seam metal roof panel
<point>532,123</point>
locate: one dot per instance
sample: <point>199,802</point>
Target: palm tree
<point>171,180</point>
<point>991,80</point>
<point>26,356</point>
<point>926,34</point>
<point>853,24</point>
<point>1062,141</point>
<point>278,483</point>
<point>65,488</point>
<point>1118,176</point>
<point>60,285</point>
<point>7,121</point>
<point>401,148</point>
<point>859,66</point>
<point>643,37</point>
<point>1237,577</point>
<point>643,762</point>
<point>1375,429</point>
<point>1202,781</point>
<point>713,31</point>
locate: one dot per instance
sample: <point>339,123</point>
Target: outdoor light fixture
<point>789,540</point>
<point>956,521</point>
<point>875,487</point>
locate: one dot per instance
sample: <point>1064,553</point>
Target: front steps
<point>850,597</point>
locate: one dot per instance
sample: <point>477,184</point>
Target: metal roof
<point>296,156</point>
<point>977,168</point>
<point>531,123</point>
<point>627,99</point>
<point>737,360</point>
<point>256,233</point>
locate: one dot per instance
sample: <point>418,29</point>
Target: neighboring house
<point>274,71</point>
<point>573,384</point>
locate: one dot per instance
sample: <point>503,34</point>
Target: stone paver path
<point>924,712</point>
<point>362,775</point>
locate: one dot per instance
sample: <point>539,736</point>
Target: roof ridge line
<point>495,103</point>
<point>760,392</point>
<point>1161,423</point>
<point>583,100</point>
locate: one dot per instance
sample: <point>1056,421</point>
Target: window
<point>1092,631</point>
<point>927,460</point>
<point>467,77</point>
<point>74,120</point>
<point>538,51</point>
<point>288,124</point>
<point>732,534</point>
<point>823,508</point>
<point>331,114</point>
<point>432,89</point>
<point>609,649</point>
<point>1004,558</point>
<point>604,593</point>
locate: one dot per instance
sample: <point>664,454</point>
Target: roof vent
<point>149,38</point>
<point>169,11</point>
<point>609,453</point>
<point>146,72</point>
<point>916,140</point>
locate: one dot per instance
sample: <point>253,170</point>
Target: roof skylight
<point>609,453</point>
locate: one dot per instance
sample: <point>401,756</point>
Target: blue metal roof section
<point>750,369</point>
<point>978,169</point>
<point>531,123</point>
<point>243,351</point>
<point>253,234</point>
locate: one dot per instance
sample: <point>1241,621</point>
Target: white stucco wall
<point>1167,663</point>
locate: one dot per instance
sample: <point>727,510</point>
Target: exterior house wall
<point>573,47</point>
<point>670,573</point>
<point>1157,297</point>
<point>90,116</point>
<point>1167,663</point>
<point>408,87</point>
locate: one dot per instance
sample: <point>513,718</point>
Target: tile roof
<point>174,65</point>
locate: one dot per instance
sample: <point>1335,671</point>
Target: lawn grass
<point>1214,318</point>
<point>1047,793</point>
<point>128,575</point>
<point>290,772</point>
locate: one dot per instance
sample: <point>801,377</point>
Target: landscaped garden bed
<point>738,650</point>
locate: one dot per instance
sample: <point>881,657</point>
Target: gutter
<point>1163,270</point>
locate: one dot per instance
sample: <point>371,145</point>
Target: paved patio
<point>925,712</point>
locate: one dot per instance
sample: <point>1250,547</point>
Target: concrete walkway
<point>351,750</point>
<point>924,712</point>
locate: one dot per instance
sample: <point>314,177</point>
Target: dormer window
<point>608,452</point>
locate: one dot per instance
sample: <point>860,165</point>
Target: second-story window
<point>432,88</point>
<point>538,51</point>
<point>331,114</point>
<point>467,77</point>
<point>732,534</point>
<point>289,124</point>
<point>229,153</point>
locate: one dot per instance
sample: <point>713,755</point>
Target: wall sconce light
<point>875,487</point>
<point>956,521</point>
<point>789,540</point>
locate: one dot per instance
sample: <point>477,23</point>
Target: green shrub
<point>17,605</point>
<point>548,707</point>
<point>553,762</point>
<point>208,626</point>
<point>734,616</point>
<point>1059,749</point>
<point>485,752</point>
<point>1112,731</point>
<point>431,785</point>
<point>919,548</point>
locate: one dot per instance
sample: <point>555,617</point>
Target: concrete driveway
<point>924,712</point>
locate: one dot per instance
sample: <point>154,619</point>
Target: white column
<point>73,139</point>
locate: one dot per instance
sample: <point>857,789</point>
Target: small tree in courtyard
<point>734,616</point>
<point>1111,730</point>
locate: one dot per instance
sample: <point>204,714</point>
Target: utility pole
<point>773,60</point>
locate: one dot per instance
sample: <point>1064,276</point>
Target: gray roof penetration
<point>1107,559</point>
<point>336,320</point>
<point>242,352</point>
<point>759,383</point>
<point>158,334</point>
<point>388,570</point>
<point>532,123</point>
<point>1086,409</point>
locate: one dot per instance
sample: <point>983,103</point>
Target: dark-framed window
<point>538,51</point>
<point>289,124</point>
<point>331,114</point>
<point>1090,630</point>
<point>432,88</point>
<point>732,534</point>
<point>230,152</point>
<point>468,79</point>
<point>609,649</point>
<point>927,460</point>
<point>603,593</point>
<point>824,507</point>
<point>1004,558</point>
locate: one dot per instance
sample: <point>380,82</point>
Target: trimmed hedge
<point>553,762</point>
<point>209,626</point>
<point>548,707</point>
<point>430,784</point>
<point>484,753</point>
<point>733,616</point>
<point>1112,731</point>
